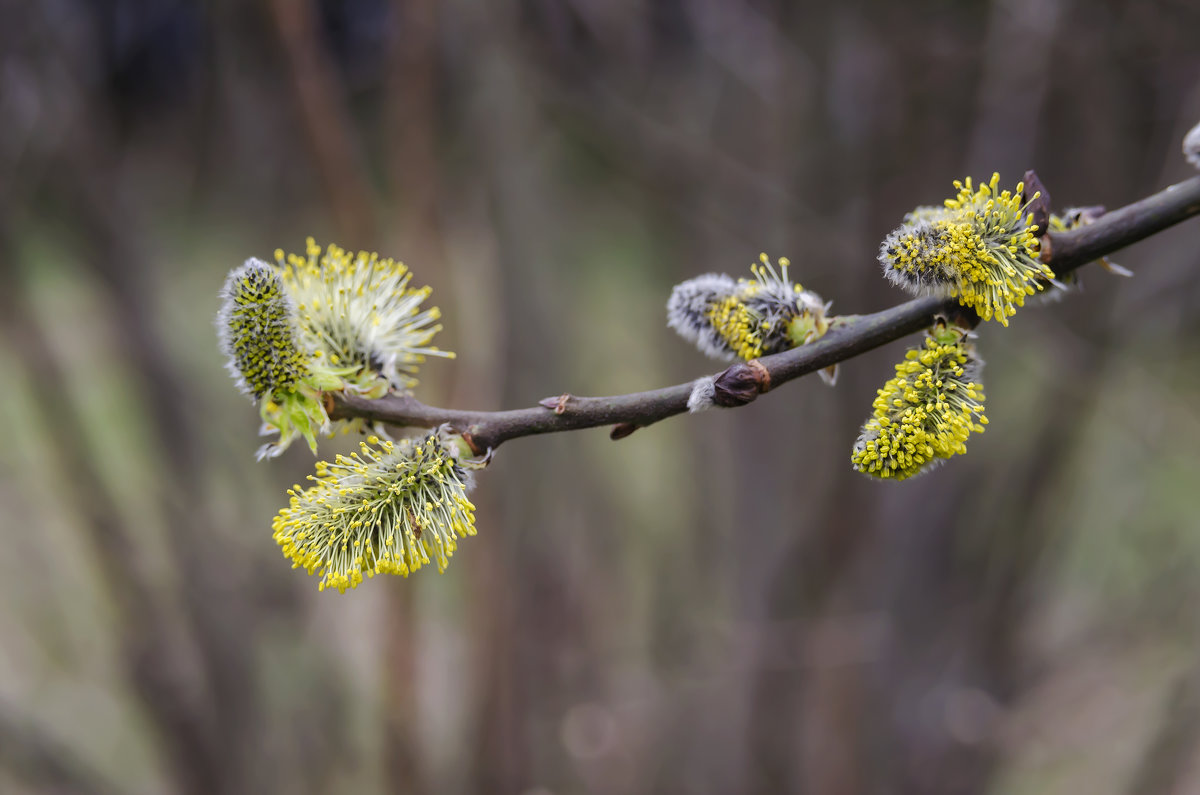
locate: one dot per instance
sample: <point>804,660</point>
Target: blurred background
<point>717,604</point>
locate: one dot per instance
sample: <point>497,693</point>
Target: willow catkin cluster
<point>744,319</point>
<point>390,508</point>
<point>328,321</point>
<point>924,414</point>
<point>257,331</point>
<point>360,312</point>
<point>980,247</point>
<point>336,321</point>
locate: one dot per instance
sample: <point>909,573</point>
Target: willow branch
<point>1064,252</point>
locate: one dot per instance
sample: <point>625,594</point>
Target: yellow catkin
<point>980,247</point>
<point>390,508</point>
<point>360,311</point>
<point>925,413</point>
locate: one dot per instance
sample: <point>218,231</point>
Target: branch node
<point>558,403</point>
<point>1046,249</point>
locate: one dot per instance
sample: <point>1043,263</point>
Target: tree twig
<point>1064,252</point>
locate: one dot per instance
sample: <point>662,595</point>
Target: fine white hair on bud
<point>257,331</point>
<point>701,398</point>
<point>689,309</point>
<point>923,256</point>
<point>1191,146</point>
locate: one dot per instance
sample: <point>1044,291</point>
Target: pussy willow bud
<point>690,308</point>
<point>746,319</point>
<point>258,333</point>
<point>256,327</point>
<point>740,384</point>
<point>925,413</point>
<point>981,247</point>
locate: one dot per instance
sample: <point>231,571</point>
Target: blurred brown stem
<point>1064,252</point>
<point>324,119</point>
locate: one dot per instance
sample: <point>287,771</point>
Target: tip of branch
<point>558,403</point>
